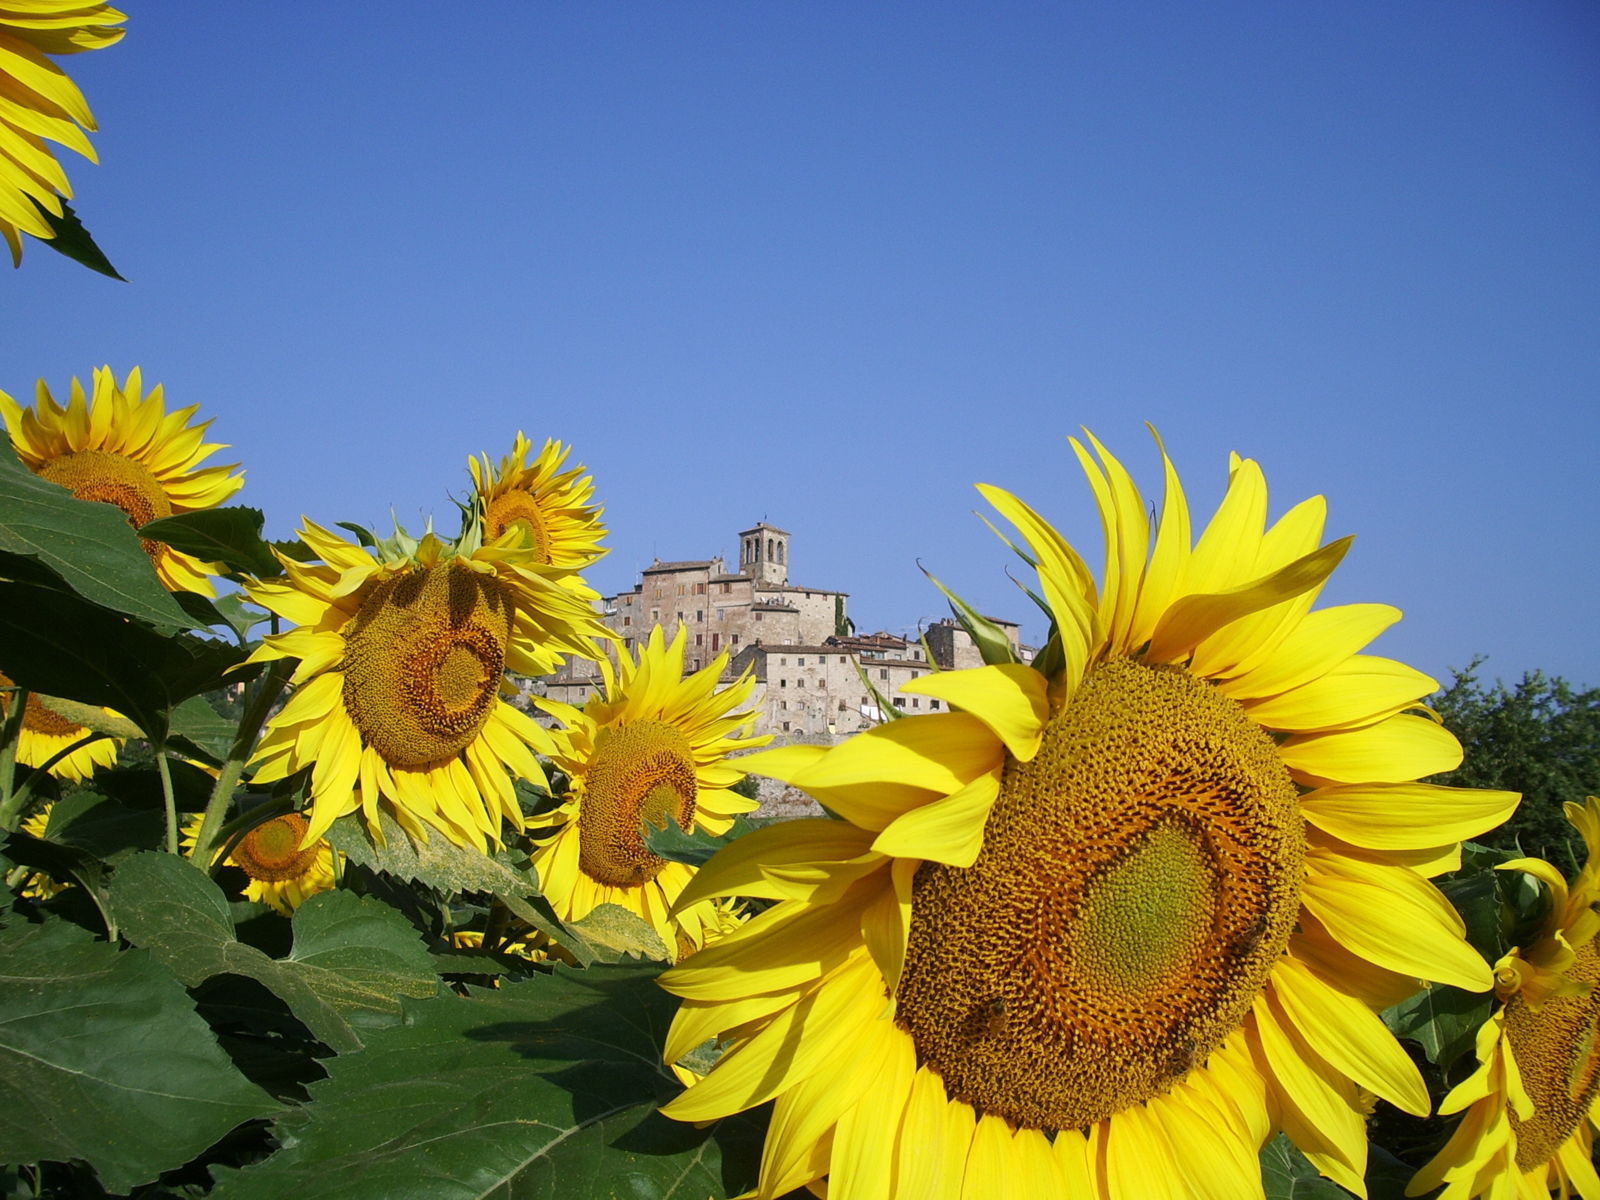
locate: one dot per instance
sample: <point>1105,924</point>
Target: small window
<point>699,589</point>
<point>883,672</point>
<point>627,620</point>
<point>933,704</point>
<point>783,662</point>
<point>783,704</point>
<point>699,614</point>
<point>916,702</point>
<point>786,726</point>
<point>800,662</point>
<point>799,683</point>
<point>734,640</point>
<point>783,683</point>
<point>699,639</point>
<point>758,616</point>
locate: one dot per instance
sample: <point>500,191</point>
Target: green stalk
<point>10,732</point>
<point>25,792</point>
<point>170,800</point>
<point>260,703</point>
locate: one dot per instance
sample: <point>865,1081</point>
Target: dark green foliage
<point>1540,737</point>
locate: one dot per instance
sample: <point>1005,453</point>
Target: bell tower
<point>764,553</point>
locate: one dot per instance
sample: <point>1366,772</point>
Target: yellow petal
<point>949,830</point>
<point>1011,699</point>
<point>1350,1036</point>
<point>1323,639</point>
<point>1316,1106</point>
<point>1359,691</point>
<point>1196,617</point>
<point>1405,816</point>
<point>862,1166</point>
<point>765,863</point>
<point>1396,750</point>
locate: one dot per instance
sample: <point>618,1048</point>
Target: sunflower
<point>1121,913</point>
<point>283,873</point>
<point>1527,1128</point>
<point>45,733</point>
<point>122,447</point>
<point>402,664</point>
<point>38,101</point>
<point>548,506</point>
<point>654,746</point>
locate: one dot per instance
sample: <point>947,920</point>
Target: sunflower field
<point>308,894</point>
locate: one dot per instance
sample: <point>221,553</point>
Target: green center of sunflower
<point>640,772</point>
<point>423,661</point>
<point>114,479</point>
<point>1138,880</point>
<point>270,853</point>
<point>518,508</point>
<point>1558,1059</point>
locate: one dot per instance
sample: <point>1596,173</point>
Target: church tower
<point>764,554</point>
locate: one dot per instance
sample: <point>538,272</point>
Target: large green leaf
<point>694,847</point>
<point>541,1090</point>
<point>231,536</point>
<point>439,863</point>
<point>86,544</point>
<point>353,958</point>
<point>617,933</point>
<point>1286,1174</point>
<point>62,645</point>
<point>103,1058</point>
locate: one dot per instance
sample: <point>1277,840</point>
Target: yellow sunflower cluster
<point>38,102</point>
<point>1527,1125</point>
<point>402,653</point>
<point>1121,913</point>
<point>283,872</point>
<point>119,444</point>
<point>651,748</point>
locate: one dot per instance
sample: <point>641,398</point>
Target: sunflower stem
<point>168,799</point>
<point>259,704</point>
<point>10,733</point>
<point>19,799</point>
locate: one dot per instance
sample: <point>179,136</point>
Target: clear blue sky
<point>832,263</point>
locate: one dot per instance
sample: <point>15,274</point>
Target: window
<point>699,614</point>
<point>783,683</point>
<point>916,702</point>
<point>841,706</point>
<point>783,704</point>
<point>726,588</point>
<point>933,704</point>
<point>758,616</point>
<point>799,683</point>
<point>680,589</point>
<point>699,589</point>
<point>800,662</point>
<point>734,640</point>
<point>786,727</point>
<point>655,615</point>
<point>783,662</point>
<point>627,620</point>
<point>883,672</point>
<point>699,639</point>
<point>716,641</point>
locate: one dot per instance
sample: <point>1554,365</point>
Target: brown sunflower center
<point>1138,880</point>
<point>519,508</point>
<point>36,718</point>
<point>115,479</point>
<point>423,661</point>
<point>641,772</point>
<point>1559,1061</point>
<point>270,853</point>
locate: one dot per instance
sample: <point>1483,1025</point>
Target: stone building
<point>812,671</point>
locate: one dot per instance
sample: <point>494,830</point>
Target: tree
<point>1540,738</point>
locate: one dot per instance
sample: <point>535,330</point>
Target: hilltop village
<point>811,668</point>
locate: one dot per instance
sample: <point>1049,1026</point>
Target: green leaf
<point>73,240</point>
<point>617,933</point>
<point>544,1089</point>
<point>353,958</point>
<point>440,863</point>
<point>198,724</point>
<point>86,545</point>
<point>62,645</point>
<point>91,823</point>
<point>103,1058</point>
<point>1443,1020</point>
<point>231,536</point>
<point>1286,1174</point>
<point>694,847</point>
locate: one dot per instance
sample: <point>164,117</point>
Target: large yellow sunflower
<point>1527,1129</point>
<point>551,508</point>
<point>1102,928</point>
<point>45,733</point>
<point>122,447</point>
<point>398,688</point>
<point>283,872</point>
<point>654,746</point>
<point>39,101</point>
